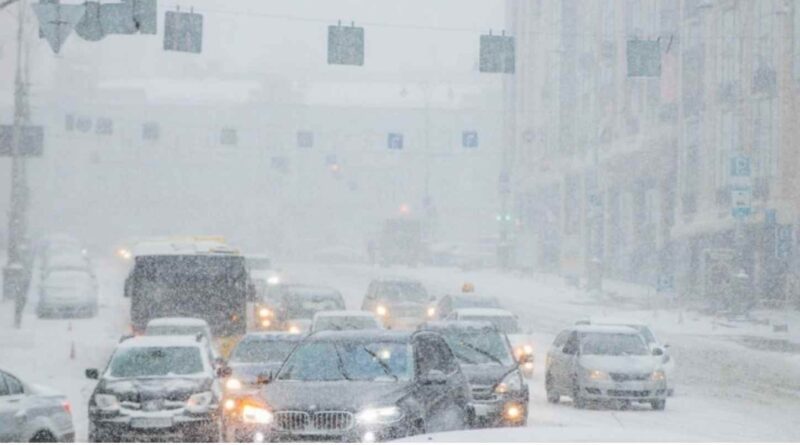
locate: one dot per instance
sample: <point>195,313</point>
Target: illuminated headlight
<point>199,401</point>
<point>512,382</point>
<point>431,312</point>
<point>523,350</point>
<point>389,414</point>
<point>598,375</point>
<point>382,311</point>
<point>124,254</point>
<point>264,313</point>
<point>512,411</point>
<point>266,323</point>
<point>229,404</point>
<point>233,384</point>
<point>274,280</point>
<point>293,329</point>
<point>658,376</point>
<point>106,402</point>
<point>255,414</point>
<point>527,366</point>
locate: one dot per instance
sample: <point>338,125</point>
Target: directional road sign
<point>395,141</point>
<point>345,45</point>
<point>183,31</point>
<point>469,139</point>
<point>56,21</point>
<point>32,140</point>
<point>497,54</point>
<point>741,202</point>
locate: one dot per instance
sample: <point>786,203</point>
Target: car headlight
<point>233,384</point>
<point>256,414</point>
<point>389,414</point>
<point>431,312</point>
<point>511,382</point>
<point>274,280</point>
<point>106,402</point>
<point>381,310</point>
<point>264,313</point>
<point>595,374</point>
<point>199,401</point>
<point>293,329</point>
<point>658,376</point>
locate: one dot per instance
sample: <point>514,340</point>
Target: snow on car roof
<point>181,247</point>
<point>366,335</point>
<point>344,313</point>
<point>271,335</point>
<point>159,341</point>
<point>615,321</point>
<point>177,321</point>
<point>605,329</point>
<point>483,312</point>
<point>458,325</point>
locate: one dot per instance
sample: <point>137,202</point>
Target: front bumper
<point>641,391</point>
<point>358,433</point>
<point>506,410</point>
<point>175,428</point>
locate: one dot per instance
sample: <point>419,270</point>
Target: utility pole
<point>16,272</point>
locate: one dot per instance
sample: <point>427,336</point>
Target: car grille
<point>406,311</point>
<point>617,377</point>
<point>482,393</point>
<point>627,393</point>
<point>301,421</point>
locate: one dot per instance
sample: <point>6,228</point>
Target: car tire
<point>659,405</point>
<point>552,395</point>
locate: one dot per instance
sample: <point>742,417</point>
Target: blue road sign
<point>741,199</point>
<point>395,141</point>
<point>783,240</point>
<point>740,166</point>
<point>469,139</point>
<point>665,283</point>
<point>305,139</point>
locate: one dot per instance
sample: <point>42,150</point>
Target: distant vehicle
<point>297,304</point>
<point>401,242</point>
<point>607,364</point>
<point>156,387</point>
<point>202,278</point>
<point>33,413</point>
<point>449,303</point>
<point>172,326</point>
<point>67,292</point>
<point>386,385</point>
<point>71,261</point>
<point>344,321</point>
<point>399,302</point>
<point>255,359</point>
<point>499,391</point>
<point>506,322</point>
<point>652,342</point>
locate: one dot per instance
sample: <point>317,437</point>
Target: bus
<point>195,277</point>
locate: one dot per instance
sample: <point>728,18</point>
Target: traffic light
<point>497,54</point>
<point>345,45</point>
<point>183,31</point>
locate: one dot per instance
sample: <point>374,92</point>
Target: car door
<point>11,406</point>
<point>456,390</point>
<point>561,371</point>
<point>432,397</point>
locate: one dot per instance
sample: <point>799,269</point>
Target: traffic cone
<point>72,350</point>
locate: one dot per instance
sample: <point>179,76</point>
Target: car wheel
<point>552,395</point>
<point>659,405</point>
<point>43,436</point>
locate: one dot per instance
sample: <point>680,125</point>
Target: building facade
<point>629,173</point>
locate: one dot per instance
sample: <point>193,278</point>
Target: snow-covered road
<point>725,390</point>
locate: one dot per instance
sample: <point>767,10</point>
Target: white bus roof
<point>187,246</point>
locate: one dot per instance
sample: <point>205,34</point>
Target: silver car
<point>32,413</point>
<point>605,363</point>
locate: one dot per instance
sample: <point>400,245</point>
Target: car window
<point>402,291</point>
<point>561,339</point>
<point>174,330</point>
<point>360,361</point>
<point>447,361</point>
<point>13,385</point>
<point>474,347</point>
<point>431,355</point>
<point>155,361</point>
<point>342,323</point>
<point>593,343</point>
<point>647,334</point>
<point>262,351</point>
<point>572,342</point>
<point>3,387</point>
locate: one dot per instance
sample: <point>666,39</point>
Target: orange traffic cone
<point>72,350</point>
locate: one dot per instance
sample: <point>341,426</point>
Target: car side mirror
<point>92,373</point>
<point>433,377</point>
<point>666,346</point>
<point>658,352</point>
<point>568,350</point>
<point>263,379</point>
<point>224,372</point>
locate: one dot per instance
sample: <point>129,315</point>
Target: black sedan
<point>499,392</point>
<point>361,386</point>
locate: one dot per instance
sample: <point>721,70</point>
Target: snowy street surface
<point>726,388</point>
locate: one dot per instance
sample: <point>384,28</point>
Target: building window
<point>764,77</point>
<point>764,149</point>
<point>729,143</point>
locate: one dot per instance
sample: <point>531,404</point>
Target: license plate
<point>151,422</point>
<point>482,410</point>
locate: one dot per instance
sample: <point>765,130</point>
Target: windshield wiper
<point>340,366</point>
<point>482,352</point>
<point>464,358</point>
<point>384,366</point>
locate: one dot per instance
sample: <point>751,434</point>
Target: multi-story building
<point>632,174</point>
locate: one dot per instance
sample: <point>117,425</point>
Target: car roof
<point>395,279</point>
<point>365,335</point>
<point>345,313</point>
<point>484,312</point>
<point>459,325</point>
<point>271,336</point>
<point>183,247</point>
<point>605,329</point>
<point>177,321</point>
<point>616,321</point>
<point>472,296</point>
<point>143,341</point>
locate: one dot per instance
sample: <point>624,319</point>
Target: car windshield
<point>646,333</point>
<point>156,361</point>
<point>402,291</point>
<point>477,347</point>
<point>508,325</point>
<point>361,361</point>
<point>473,301</point>
<point>344,323</point>
<point>612,344</point>
<point>305,305</point>
<point>262,351</point>
<point>174,330</point>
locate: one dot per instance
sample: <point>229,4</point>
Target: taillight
<point>67,407</point>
